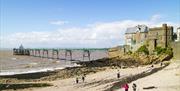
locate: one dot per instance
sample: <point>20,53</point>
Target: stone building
<point>139,35</point>
<point>160,36</point>
<point>136,36</point>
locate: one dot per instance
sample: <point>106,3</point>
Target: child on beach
<point>126,87</point>
<point>134,87</point>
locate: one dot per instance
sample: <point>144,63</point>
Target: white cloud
<point>156,17</point>
<point>104,34</point>
<point>58,22</point>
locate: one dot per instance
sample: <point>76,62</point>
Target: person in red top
<point>126,87</point>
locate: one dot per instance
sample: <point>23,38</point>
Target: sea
<point>19,64</point>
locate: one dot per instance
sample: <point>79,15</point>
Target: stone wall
<point>176,50</point>
<point>116,51</point>
<point>129,78</point>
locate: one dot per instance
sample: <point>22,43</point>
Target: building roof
<point>130,30</point>
<point>140,28</point>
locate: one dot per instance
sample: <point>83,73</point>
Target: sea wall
<point>176,50</point>
<point>116,51</point>
<point>131,78</point>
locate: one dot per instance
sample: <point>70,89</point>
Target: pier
<point>54,53</point>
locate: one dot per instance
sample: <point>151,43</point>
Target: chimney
<point>164,25</point>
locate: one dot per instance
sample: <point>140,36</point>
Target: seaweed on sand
<point>22,85</point>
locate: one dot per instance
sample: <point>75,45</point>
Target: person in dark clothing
<point>77,80</point>
<point>161,64</point>
<point>83,77</point>
<point>118,75</point>
<point>134,86</point>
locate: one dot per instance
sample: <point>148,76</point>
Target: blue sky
<point>58,16</point>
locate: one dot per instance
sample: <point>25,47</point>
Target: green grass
<point>143,49</point>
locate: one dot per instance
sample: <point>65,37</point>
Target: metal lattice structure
<point>46,52</point>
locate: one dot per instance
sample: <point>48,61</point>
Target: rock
<point>150,87</point>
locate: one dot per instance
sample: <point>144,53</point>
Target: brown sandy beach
<point>164,80</point>
<point>93,82</point>
<point>98,81</point>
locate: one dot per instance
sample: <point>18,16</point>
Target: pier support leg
<point>55,52</point>
<point>86,53</point>
<point>45,53</point>
<point>68,53</point>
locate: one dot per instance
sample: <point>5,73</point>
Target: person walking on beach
<point>118,74</point>
<point>126,87</point>
<point>83,78</point>
<point>134,87</point>
<point>161,64</point>
<point>77,80</point>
